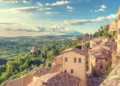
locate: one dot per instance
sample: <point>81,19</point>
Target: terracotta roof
<point>99,48</point>
<point>58,57</point>
<point>56,68</point>
<point>101,55</point>
<point>82,52</point>
<point>111,45</point>
<point>22,81</point>
<point>41,72</point>
<point>44,71</point>
<point>43,79</point>
<point>63,79</point>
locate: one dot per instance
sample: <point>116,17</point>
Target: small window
<point>106,60</point>
<point>101,66</point>
<point>96,60</point>
<point>79,60</point>
<point>71,70</point>
<point>74,60</point>
<point>66,59</point>
<point>65,71</point>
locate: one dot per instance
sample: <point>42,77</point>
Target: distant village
<point>77,67</point>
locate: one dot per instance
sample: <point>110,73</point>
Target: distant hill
<point>74,34</point>
<point>65,35</point>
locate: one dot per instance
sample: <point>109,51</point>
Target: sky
<point>43,17</point>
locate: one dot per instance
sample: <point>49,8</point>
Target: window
<point>66,59</point>
<point>106,60</point>
<point>65,71</point>
<point>101,66</point>
<point>96,60</point>
<point>79,60</point>
<point>74,60</point>
<point>71,70</point>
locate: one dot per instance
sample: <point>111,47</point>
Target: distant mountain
<point>74,34</point>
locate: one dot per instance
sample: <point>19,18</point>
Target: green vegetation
<point>104,32</point>
<point>106,73</point>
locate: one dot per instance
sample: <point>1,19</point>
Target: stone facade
<point>113,26</point>
<point>113,79</point>
<point>74,63</point>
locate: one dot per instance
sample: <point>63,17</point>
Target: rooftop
<point>101,55</point>
<point>82,52</point>
<point>63,79</point>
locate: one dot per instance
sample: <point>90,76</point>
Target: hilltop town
<point>85,66</point>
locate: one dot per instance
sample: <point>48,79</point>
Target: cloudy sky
<point>39,17</point>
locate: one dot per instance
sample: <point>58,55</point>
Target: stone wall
<point>116,61</point>
<point>114,78</point>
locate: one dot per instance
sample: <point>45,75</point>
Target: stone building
<point>69,69</point>
<point>115,26</point>
<point>33,50</point>
<point>74,63</point>
<point>100,59</point>
<point>118,32</point>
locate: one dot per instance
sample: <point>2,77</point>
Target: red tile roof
<point>41,72</point>
<point>22,81</point>
<point>63,79</point>
<point>82,52</point>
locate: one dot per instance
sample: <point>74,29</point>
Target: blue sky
<point>26,17</point>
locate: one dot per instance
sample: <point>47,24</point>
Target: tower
<point>118,31</point>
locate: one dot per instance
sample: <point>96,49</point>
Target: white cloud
<point>69,7</point>
<point>25,9</point>
<point>58,28</point>
<point>14,1</point>
<point>103,6</point>
<point>39,4</point>
<point>9,1</point>
<point>99,19</point>
<point>58,3</point>
<point>25,2</point>
<point>91,10</point>
<point>71,10</point>
<point>50,13</point>
<point>101,9</point>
